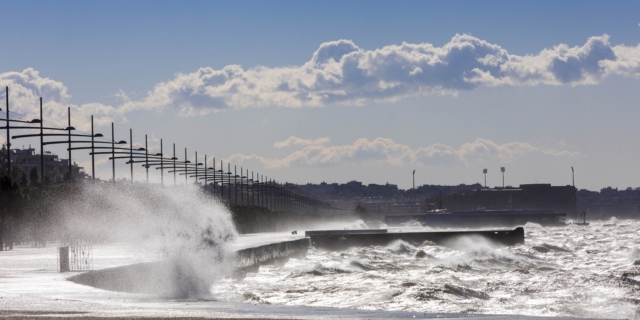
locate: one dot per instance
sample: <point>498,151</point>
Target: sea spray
<point>185,228</point>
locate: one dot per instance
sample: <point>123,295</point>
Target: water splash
<point>182,226</point>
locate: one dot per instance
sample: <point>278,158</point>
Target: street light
<point>502,169</point>
<point>414,179</point>
<point>485,177</point>
<point>575,197</point>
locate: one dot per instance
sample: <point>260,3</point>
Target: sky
<point>337,91</point>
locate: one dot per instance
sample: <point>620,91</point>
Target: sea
<point>581,271</point>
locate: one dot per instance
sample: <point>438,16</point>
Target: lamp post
<point>485,177</point>
<point>221,181</point>
<point>161,164</point>
<point>42,147</point>
<point>131,151</point>
<point>573,179</point>
<point>213,162</point>
<point>575,191</point>
<point>113,154</point>
<point>8,134</point>
<point>502,169</point>
<point>229,182</point>
<point>185,166</point>
<point>146,156</point>
<point>414,179</point>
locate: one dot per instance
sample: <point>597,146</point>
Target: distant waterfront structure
<point>539,196</point>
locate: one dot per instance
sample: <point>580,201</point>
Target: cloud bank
<point>295,141</point>
<point>387,151</point>
<point>340,72</point>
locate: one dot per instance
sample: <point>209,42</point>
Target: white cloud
<point>25,90</point>
<point>383,150</point>
<point>295,141</point>
<point>340,72</point>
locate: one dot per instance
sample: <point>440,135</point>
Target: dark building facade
<point>24,160</point>
<point>561,199</point>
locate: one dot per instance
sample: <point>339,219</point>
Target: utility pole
<point>502,169</point>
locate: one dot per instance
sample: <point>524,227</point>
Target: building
<point>561,199</point>
<point>24,160</point>
<point>610,202</point>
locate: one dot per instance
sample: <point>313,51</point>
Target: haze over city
<point>332,91</point>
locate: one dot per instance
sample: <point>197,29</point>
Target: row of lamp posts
<point>260,190</point>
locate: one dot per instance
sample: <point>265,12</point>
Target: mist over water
<point>591,271</point>
<point>181,225</point>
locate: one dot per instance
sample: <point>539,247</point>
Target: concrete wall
<point>157,277</point>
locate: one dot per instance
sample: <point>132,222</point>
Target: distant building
<point>561,199</point>
<point>610,202</point>
<point>24,160</point>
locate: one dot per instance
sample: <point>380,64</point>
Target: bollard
<point>63,257</point>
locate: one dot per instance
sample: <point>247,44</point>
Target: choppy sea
<point>585,271</point>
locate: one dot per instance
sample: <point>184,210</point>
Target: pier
<point>341,239</point>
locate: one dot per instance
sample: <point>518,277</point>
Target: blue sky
<point>120,60</point>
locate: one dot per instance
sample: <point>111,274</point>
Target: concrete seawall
<point>254,256</point>
<point>341,239</point>
<point>152,277</point>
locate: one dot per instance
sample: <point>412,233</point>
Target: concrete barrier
<point>153,277</point>
<point>341,239</point>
